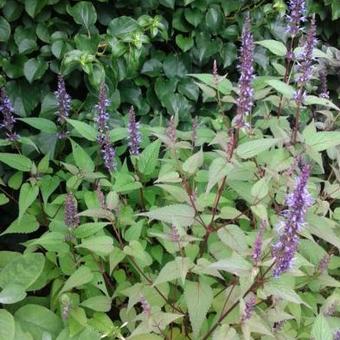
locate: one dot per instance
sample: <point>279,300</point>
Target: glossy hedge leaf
<point>121,26</point>
<point>84,13</point>
<point>184,43</point>
<point>80,277</point>
<point>85,130</point>
<point>100,245</point>
<point>12,293</point>
<point>198,297</point>
<point>37,320</point>
<point>168,3</point>
<point>7,325</point>
<point>19,162</point>
<point>28,194</point>
<point>35,69</point>
<point>276,47</point>
<point>5,29</point>
<point>33,7</point>
<point>254,147</point>
<point>99,303</point>
<point>177,214</point>
<point>41,124</point>
<point>22,270</point>
<point>281,87</point>
<point>148,159</point>
<point>321,329</point>
<point>27,224</point>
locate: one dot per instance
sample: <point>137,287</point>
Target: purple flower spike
<point>171,131</point>
<point>64,100</point>
<point>145,306</point>
<point>298,202</point>
<point>9,120</point>
<point>337,335</point>
<point>323,85</point>
<point>70,217</point>
<point>134,133</point>
<point>257,250</point>
<point>249,308</point>
<point>297,10</point>
<point>305,68</point>
<point>102,120</point>
<point>245,97</point>
<point>323,264</point>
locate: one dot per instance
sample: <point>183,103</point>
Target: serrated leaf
<point>81,158</point>
<point>84,129</point>
<point>321,329</point>
<point>89,229</point>
<point>41,124</point>
<point>254,147</point>
<point>27,224</point>
<point>99,303</point>
<point>194,162</point>
<point>313,100</point>
<point>177,214</point>
<point>19,162</point>
<point>28,194</point>
<point>320,141</point>
<point>79,278</point>
<point>281,87</point>
<point>148,159</point>
<point>100,245</point>
<point>235,264</point>
<point>234,237</point>
<point>198,297</point>
<point>274,46</point>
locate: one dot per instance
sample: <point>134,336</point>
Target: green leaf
<point>38,320</point>
<point>276,47</point>
<point>7,325</point>
<point>177,214</point>
<point>184,43</point>
<point>321,329</point>
<point>35,69</point>
<point>313,100</point>
<point>52,241</point>
<point>233,237</point>
<point>119,27</point>
<point>136,250</point>
<point>41,124</point>
<point>223,85</point>
<point>198,297</point>
<point>281,87</point>
<point>28,194</point>
<point>89,229</point>
<point>214,19</point>
<point>194,162</point>
<point>3,199</point>
<point>85,130</point>
<point>98,303</point>
<point>100,245</point>
<point>27,224</point>
<point>148,159</point>
<point>168,3</point>
<point>19,162</point>
<point>84,13</point>
<point>5,29</point>
<point>22,270</point>
<point>80,277</point>
<point>320,141</point>
<point>176,269</point>
<point>33,7</point>
<point>254,147</point>
<point>81,158</point>
<point>260,189</point>
<point>235,264</point>
<point>12,293</point>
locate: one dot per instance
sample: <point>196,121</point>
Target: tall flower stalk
<point>64,105</point>
<point>296,16</point>
<point>103,138</point>
<point>70,216</point>
<point>305,71</point>
<point>134,133</point>
<point>294,218</point>
<point>8,120</point>
<point>323,84</point>
<point>245,98</point>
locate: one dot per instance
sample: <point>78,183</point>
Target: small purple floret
<point>63,99</point>
<point>257,249</point>
<point>323,85</point>
<point>297,10</point>
<point>249,308</point>
<point>71,211</point>
<point>8,121</point>
<point>298,202</point>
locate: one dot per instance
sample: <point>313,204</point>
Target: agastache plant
<point>8,121</point>
<point>134,133</point>
<point>171,131</point>
<point>323,84</point>
<point>70,215</point>
<point>297,10</point>
<point>249,308</point>
<point>245,98</point>
<point>103,138</point>
<point>257,249</point>
<point>294,218</point>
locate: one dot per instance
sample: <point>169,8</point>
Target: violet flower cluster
<point>297,10</point>
<point>323,85</point>
<point>249,308</point>
<point>103,138</point>
<point>337,335</point>
<point>70,216</point>
<point>145,306</point>
<point>298,202</point>
<point>305,68</point>
<point>135,137</point>
<point>245,99</point>
<point>171,131</point>
<point>64,105</point>
<point>8,121</point>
